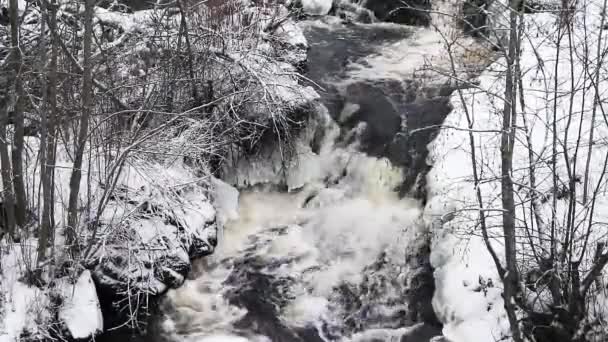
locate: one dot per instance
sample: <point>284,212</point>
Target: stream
<point>343,254</point>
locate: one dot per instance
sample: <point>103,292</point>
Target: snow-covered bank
<point>147,208</point>
<point>468,296</point>
<point>145,243</point>
<point>69,307</point>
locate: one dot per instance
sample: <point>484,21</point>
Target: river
<point>340,253</point>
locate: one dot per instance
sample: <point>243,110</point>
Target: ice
<point>225,200</point>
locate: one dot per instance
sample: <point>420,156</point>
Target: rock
<point>150,250</point>
<point>416,12</point>
<point>351,12</point>
<point>80,312</point>
<point>153,254</point>
<point>293,45</point>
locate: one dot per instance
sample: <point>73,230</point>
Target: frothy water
<point>340,256</point>
<point>302,250</point>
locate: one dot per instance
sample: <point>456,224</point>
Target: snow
<point>169,211</point>
<point>20,304</point>
<point>27,309</point>
<point>80,311</point>
<point>130,22</point>
<point>290,33</point>
<point>17,311</point>
<point>469,313</point>
<point>459,255</point>
<point>316,7</point>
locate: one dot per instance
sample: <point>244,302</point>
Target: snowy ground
<point>468,289</point>
<point>29,310</point>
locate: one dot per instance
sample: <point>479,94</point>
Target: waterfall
<point>331,246</point>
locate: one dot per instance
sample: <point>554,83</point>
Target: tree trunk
<point>7,210</point>
<point>17,151</point>
<point>71,233</point>
<point>52,120</point>
<point>511,278</point>
<point>47,131</point>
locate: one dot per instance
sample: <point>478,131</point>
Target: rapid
<point>337,250</point>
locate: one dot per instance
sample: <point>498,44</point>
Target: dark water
<point>391,108</point>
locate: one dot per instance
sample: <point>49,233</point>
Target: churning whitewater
<point>341,254</point>
<point>331,259</point>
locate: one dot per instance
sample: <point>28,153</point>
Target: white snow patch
<point>291,34</point>
<point>22,307</point>
<point>81,311</point>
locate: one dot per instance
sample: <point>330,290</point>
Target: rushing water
<point>344,255</point>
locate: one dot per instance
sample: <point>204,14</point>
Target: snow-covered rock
<point>289,32</point>
<point>291,36</point>
<point>64,306</point>
<point>80,311</point>
<point>150,233</point>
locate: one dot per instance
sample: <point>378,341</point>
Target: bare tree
<point>555,248</point>
<point>507,141</point>
<point>87,94</point>
<point>17,117</point>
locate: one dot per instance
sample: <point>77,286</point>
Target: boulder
<point>152,252</point>
<point>410,12</point>
<point>80,312</point>
<point>149,249</point>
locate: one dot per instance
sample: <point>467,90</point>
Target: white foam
<point>361,217</point>
<point>316,7</point>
